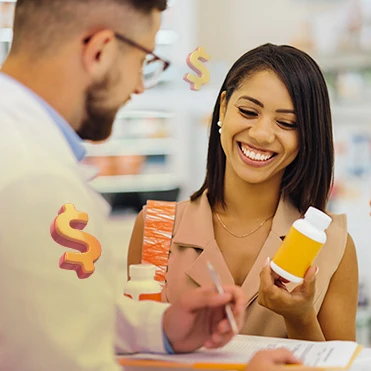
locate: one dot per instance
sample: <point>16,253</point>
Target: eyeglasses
<point>153,65</point>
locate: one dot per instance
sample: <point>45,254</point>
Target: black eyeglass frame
<point>155,57</point>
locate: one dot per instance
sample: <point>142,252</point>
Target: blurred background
<point>159,145</point>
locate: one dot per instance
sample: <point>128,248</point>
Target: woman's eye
<point>248,113</point>
<point>288,125</point>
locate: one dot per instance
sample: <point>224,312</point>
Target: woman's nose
<point>262,131</point>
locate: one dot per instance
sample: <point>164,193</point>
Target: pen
<point>220,290</point>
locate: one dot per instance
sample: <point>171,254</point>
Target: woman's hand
<point>296,307</point>
<point>273,294</point>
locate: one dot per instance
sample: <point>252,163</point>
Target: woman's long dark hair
<point>308,179</point>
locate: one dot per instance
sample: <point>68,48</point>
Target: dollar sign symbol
<point>194,60</point>
<point>66,231</point>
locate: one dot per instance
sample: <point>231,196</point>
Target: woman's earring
<point>219,123</point>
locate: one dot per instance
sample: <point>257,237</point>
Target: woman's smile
<point>255,157</point>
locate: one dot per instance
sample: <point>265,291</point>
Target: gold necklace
<point>244,235</point>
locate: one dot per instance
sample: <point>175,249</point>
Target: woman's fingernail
<point>267,261</point>
<point>317,270</point>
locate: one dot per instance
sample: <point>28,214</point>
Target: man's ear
<point>223,105</point>
<point>98,54</point>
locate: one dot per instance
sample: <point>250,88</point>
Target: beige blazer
<point>194,243</point>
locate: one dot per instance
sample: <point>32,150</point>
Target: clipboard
<point>171,365</point>
<point>330,355</point>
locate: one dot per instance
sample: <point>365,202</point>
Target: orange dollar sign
<point>66,231</point>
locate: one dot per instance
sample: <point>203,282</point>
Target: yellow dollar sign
<point>66,231</point>
<point>194,62</point>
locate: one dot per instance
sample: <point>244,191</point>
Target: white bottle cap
<point>317,218</point>
<point>142,271</point>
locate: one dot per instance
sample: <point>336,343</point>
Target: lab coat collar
<point>69,134</point>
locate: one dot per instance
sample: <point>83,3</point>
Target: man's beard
<point>100,118</point>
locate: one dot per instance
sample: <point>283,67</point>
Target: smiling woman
<point>270,157</point>
<point>258,130</point>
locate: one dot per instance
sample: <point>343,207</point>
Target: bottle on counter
<point>301,245</point>
<point>142,284</point>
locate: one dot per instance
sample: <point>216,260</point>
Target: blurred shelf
<point>6,35</point>
<point>139,114</point>
<point>127,147</point>
<point>135,183</point>
<point>344,61</point>
<point>143,148</point>
<point>352,114</point>
<point>363,326</point>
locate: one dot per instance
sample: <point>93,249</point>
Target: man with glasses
<point>72,65</point>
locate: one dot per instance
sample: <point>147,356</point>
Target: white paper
<point>241,349</point>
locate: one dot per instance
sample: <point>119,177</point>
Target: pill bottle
<point>301,245</point>
<point>142,284</point>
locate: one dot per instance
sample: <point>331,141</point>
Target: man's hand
<point>198,318</point>
<point>274,360</point>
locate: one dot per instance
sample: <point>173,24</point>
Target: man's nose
<point>139,89</point>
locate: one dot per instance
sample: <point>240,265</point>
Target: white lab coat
<point>49,318</point>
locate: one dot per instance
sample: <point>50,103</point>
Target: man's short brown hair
<point>147,5</point>
<point>39,24</point>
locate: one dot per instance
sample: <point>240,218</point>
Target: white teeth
<point>254,155</point>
